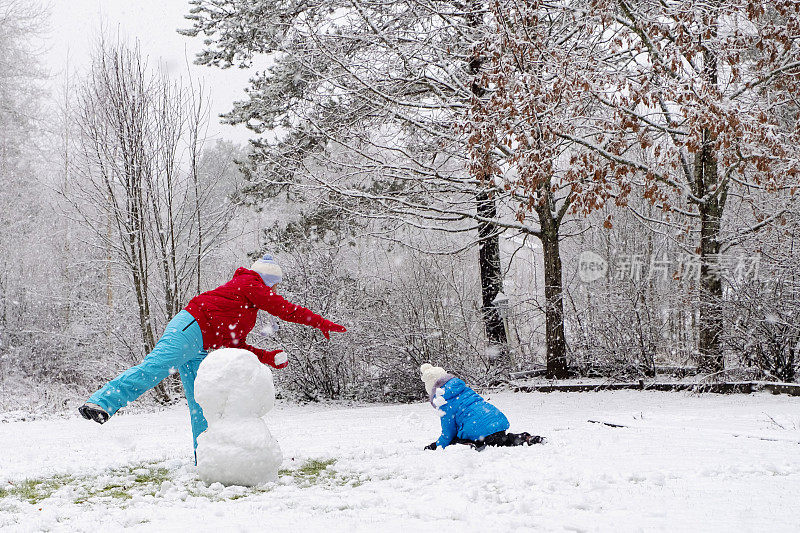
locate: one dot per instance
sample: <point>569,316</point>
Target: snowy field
<point>686,463</point>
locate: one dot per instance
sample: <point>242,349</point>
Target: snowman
<point>235,391</point>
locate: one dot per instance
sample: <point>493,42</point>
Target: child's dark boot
<point>531,439</point>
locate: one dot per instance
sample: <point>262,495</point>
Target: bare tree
<point>136,183</point>
<point>20,107</point>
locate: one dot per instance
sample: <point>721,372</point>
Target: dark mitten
<point>431,446</point>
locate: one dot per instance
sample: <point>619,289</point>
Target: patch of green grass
<point>114,490</point>
<point>150,480</point>
<point>317,471</point>
<point>314,467</point>
<point>153,476</point>
<point>145,479</point>
<point>36,490</point>
<point>310,472</point>
<point>119,494</point>
<point>351,480</point>
<point>127,478</point>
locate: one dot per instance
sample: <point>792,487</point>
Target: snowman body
<point>236,391</point>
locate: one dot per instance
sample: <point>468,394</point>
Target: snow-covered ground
<point>687,463</point>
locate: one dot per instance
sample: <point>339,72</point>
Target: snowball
<point>235,391</point>
<point>270,329</point>
<point>281,358</point>
<point>233,382</point>
<point>493,352</point>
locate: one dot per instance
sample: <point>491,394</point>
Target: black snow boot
<point>91,411</point>
<point>527,438</point>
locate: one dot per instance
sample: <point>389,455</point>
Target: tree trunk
<point>713,193</point>
<point>140,283</point>
<point>143,304</point>
<point>491,273</point>
<point>553,294</point>
<point>710,339</point>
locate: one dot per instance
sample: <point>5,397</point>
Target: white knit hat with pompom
<point>430,374</point>
<point>269,270</point>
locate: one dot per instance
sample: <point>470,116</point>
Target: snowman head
<point>232,383</point>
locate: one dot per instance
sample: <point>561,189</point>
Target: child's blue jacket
<point>467,415</point>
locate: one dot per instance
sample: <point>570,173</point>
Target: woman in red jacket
<point>215,319</point>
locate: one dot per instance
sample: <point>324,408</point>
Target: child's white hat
<point>430,374</point>
<point>269,270</point>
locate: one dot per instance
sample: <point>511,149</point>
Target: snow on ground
<point>687,463</point>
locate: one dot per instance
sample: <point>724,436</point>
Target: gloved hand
<point>431,446</point>
<point>327,326</point>
<point>273,359</point>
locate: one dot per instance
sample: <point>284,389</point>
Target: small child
<point>466,417</point>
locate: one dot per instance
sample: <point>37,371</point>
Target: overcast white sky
<point>75,26</point>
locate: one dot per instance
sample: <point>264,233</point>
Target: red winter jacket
<point>228,313</point>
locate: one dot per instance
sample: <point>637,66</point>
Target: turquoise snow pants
<point>179,348</point>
